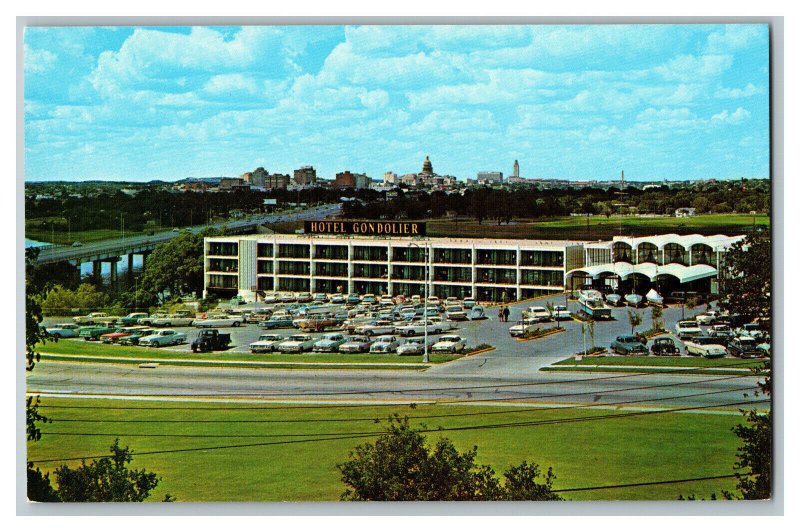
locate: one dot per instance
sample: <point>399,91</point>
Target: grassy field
<point>595,452</point>
<point>80,347</point>
<point>40,229</point>
<point>598,227</point>
<point>691,362</point>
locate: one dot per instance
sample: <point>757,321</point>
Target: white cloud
<point>739,115</point>
<point>735,37</point>
<point>746,92</point>
<point>692,68</point>
<point>37,61</point>
<point>228,83</point>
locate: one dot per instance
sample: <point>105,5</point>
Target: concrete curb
<point>543,335</point>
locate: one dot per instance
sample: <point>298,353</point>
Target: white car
<point>538,313</point>
<point>163,337</point>
<point>449,343</point>
<point>329,343</point>
<point>63,330</point>
<point>522,327</point>
<point>173,320</point>
<point>469,302</point>
<point>706,318</point>
<point>377,328</point>
<point>385,344</point>
<point>687,328</point>
<point>297,343</point>
<point>356,344</point>
<point>707,350</point>
<point>266,343</point>
<point>418,327</point>
<point>561,312</point>
<point>455,312</point>
<point>414,346</point>
<point>440,324</point>
<point>219,320</point>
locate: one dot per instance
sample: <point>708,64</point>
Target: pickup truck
<point>163,337</point>
<point>94,332</point>
<point>210,340</point>
<point>706,346</point>
<point>173,320</point>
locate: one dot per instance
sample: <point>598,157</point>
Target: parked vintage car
<point>356,343</point>
<point>385,344</point>
<point>476,313</point>
<point>133,338</point>
<point>304,297</point>
<point>765,348</point>
<point>687,328</point>
<point>337,299</point>
<point>413,346</point>
<point>119,334</point>
<point>63,330</point>
<point>375,328</point>
<point>744,347</point>
<point>132,318</point>
<point>752,330</point>
<point>148,320</point>
<point>163,337</point>
<point>173,320</point>
<point>92,318</point>
<point>449,343</point>
<point>94,332</point>
<point>523,327</point>
<point>219,320</point>
<point>561,313</point>
<point>297,343</point>
<point>417,327</point>
<point>469,302</point>
<point>664,347</point>
<point>538,313</point>
<point>707,318</point>
<point>266,343</point>
<point>210,340</point>
<point>722,333</point>
<point>706,346</point>
<point>629,345</point>
<point>315,322</point>
<point>277,323</point>
<point>329,343</point>
<point>455,313</point>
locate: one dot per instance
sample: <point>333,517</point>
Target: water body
<point>35,244</point>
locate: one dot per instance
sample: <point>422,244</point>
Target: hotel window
<point>223,265</point>
<point>330,252</point>
<point>265,250</point>
<point>265,266</point>
<point>542,258</point>
<point>408,254</point>
<point>225,249</point>
<point>380,271</point>
<point>542,277</point>
<point>294,268</point>
<point>293,251</point>
<point>497,256</point>
<point>223,281</point>
<point>496,276</point>
<point>452,256</point>
<point>370,253</point>
<point>330,270</point>
<point>458,275</point>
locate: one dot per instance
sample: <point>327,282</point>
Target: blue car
<point>280,323</point>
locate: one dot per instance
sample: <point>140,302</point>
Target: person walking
<point>500,315</point>
<point>506,313</point>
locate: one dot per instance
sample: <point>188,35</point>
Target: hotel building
<point>482,268</point>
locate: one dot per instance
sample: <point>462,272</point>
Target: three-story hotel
<point>486,269</point>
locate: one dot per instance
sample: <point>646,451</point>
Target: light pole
<point>122,225</point>
<point>425,358</point>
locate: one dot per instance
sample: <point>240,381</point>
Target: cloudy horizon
<point>569,102</point>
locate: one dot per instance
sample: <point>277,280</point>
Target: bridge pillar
<point>113,276</point>
<point>129,273</point>
<point>97,272</point>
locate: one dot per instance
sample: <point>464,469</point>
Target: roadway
<point>637,390</point>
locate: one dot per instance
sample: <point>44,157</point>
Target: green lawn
<point>81,347</point>
<point>40,229</point>
<point>691,362</point>
<point>596,452</point>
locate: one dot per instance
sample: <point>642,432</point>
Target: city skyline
<point>569,102</point>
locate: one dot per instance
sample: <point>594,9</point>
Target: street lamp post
<point>425,357</point>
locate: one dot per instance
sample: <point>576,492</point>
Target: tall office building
<point>305,175</point>
<point>490,177</point>
<point>516,168</point>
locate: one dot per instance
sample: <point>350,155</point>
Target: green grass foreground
<point>81,347</point>
<point>598,452</point>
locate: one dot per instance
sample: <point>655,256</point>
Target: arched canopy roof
<point>624,270</point>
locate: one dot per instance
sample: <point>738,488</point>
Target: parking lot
<point>509,353</point>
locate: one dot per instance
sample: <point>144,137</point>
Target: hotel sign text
<point>365,228</point>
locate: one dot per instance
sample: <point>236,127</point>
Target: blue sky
<point>574,102</point>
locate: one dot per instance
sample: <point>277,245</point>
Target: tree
<point>635,319</point>
<point>175,266</point>
<point>747,279</point>
<point>59,300</point>
<point>655,317</point>
<point>106,480</point>
<point>400,466</point>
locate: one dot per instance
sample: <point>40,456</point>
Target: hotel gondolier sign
<point>368,228</point>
